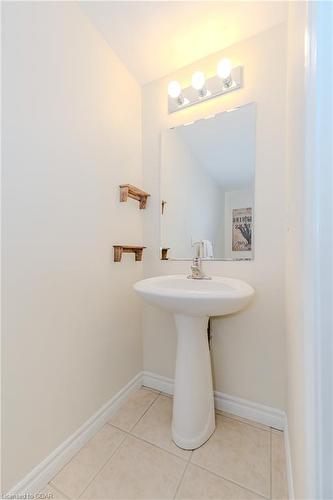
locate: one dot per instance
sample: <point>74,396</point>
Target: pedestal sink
<point>192,302</point>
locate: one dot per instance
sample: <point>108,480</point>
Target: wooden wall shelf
<point>129,191</point>
<point>118,251</point>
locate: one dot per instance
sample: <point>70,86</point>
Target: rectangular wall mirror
<point>207,187</point>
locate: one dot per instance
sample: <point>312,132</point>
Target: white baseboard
<point>252,411</point>
<point>241,407</point>
<point>291,493</point>
<point>157,382</point>
<point>38,478</point>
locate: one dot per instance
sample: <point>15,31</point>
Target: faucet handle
<point>197,248</point>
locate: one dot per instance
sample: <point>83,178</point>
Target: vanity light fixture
<point>227,79</point>
<point>174,89</point>
<point>198,83</point>
<point>175,93</point>
<point>224,72</point>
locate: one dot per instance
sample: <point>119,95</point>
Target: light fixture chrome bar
<point>214,86</point>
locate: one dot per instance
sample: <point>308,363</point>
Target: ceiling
<point>156,38</point>
<point>224,146</point>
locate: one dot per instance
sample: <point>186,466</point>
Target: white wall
<point>194,199</point>
<point>71,134</point>
<point>294,241</point>
<point>248,348</point>
<point>309,248</point>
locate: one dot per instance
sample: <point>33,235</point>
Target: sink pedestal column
<point>193,420</point>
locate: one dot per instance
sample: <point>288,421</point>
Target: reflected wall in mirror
<point>207,187</point>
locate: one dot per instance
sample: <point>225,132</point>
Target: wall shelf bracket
<point>164,253</point>
<point>129,191</point>
<point>118,251</point>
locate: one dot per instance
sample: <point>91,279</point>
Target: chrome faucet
<point>197,272</point>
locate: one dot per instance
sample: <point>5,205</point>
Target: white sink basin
<point>192,302</point>
<point>178,294</point>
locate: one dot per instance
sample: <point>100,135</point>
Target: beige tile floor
<point>133,457</point>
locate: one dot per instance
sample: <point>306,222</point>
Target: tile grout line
<point>57,489</point>
<point>260,427</point>
<point>187,461</point>
<point>181,479</point>
<point>145,411</point>
<point>155,445</point>
<point>127,435</point>
<point>117,448</point>
<point>100,470</point>
<point>114,451</point>
<point>230,481</point>
<point>130,433</point>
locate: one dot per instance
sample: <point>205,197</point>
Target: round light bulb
<point>224,69</point>
<point>174,89</point>
<point>198,80</point>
